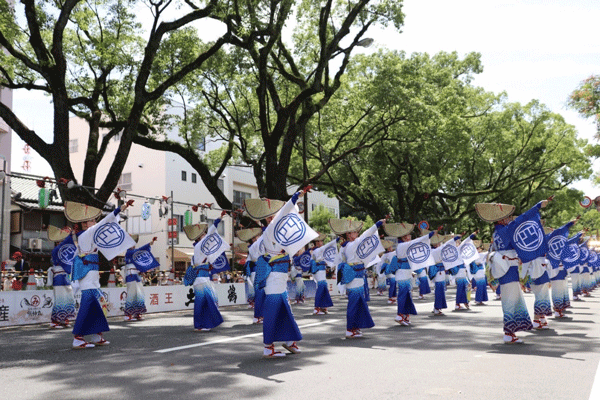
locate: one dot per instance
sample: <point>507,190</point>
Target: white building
<point>153,174</point>
<point>5,149</point>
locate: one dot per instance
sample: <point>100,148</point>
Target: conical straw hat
<point>492,212</point>
<point>193,232</point>
<point>485,246</point>
<point>56,234</point>
<point>387,244</point>
<point>247,234</point>
<point>437,239</point>
<point>258,209</point>
<point>320,238</point>
<point>135,237</point>
<point>78,212</point>
<point>341,226</point>
<point>547,230</point>
<point>242,247</point>
<point>477,243</point>
<point>399,229</point>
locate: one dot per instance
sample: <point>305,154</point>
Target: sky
<point>530,49</point>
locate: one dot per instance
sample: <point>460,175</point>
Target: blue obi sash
<point>266,264</point>
<point>317,266</point>
<point>434,269</point>
<point>250,267</point>
<point>474,267</point>
<point>133,278</point>
<point>85,264</point>
<point>351,272</point>
<point>193,272</point>
<point>60,280</point>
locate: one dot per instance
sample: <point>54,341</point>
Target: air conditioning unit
<point>35,244</point>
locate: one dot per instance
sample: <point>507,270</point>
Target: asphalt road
<point>457,356</point>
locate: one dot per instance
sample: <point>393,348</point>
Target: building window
<point>220,228</point>
<point>179,220</point>
<point>202,144</point>
<point>183,176</point>
<point>193,177</point>
<point>73,146</point>
<point>239,197</point>
<point>125,181</point>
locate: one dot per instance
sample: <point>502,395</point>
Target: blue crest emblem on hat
<point>211,244</point>
<point>67,253</point>
<point>571,253</point>
<point>109,236</point>
<point>418,252</point>
<point>449,253</point>
<point>556,246</point>
<point>289,230</point>
<point>528,236</point>
<point>143,258</point>
<point>367,246</point>
<point>329,254</point>
<point>468,250</point>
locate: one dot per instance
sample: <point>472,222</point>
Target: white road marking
<point>230,339</point>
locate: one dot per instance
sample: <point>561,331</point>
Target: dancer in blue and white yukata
<point>557,239</point>
<point>467,254</point>
<point>586,284</point>
<point>207,249</point>
<point>251,236</point>
<point>382,266</point>
<point>323,256</point>
<point>90,317</point>
<point>285,234</point>
<point>300,264</point>
<point>356,251</point>
<point>437,273</point>
<point>63,309</point>
<point>504,260</point>
<point>402,268</point>
<point>136,261</point>
<point>480,280</point>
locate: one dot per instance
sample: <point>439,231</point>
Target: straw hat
<point>320,238</point>
<point>78,212</point>
<point>492,212</point>
<point>135,237</point>
<point>341,226</point>
<point>437,239</point>
<point>477,243</point>
<point>399,229</point>
<point>258,209</point>
<point>242,247</point>
<point>247,234</point>
<point>193,232</point>
<point>547,230</point>
<point>56,234</point>
<point>387,244</point>
<point>485,246</point>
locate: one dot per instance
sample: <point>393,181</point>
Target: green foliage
<point>319,219</point>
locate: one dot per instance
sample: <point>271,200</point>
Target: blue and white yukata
<point>381,271</point>
<point>538,269</point>
<point>504,264</point>
<point>296,277</point>
<point>206,307</point>
<point>206,304</point>
<point>402,271</point>
<point>135,304</point>
<point>318,270</point>
<point>255,251</point>
<point>90,317</point>
<point>272,271</point>
<point>353,276</point>
<point>437,273</point>
<point>63,309</point>
<point>478,272</point>
<point>423,282</point>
